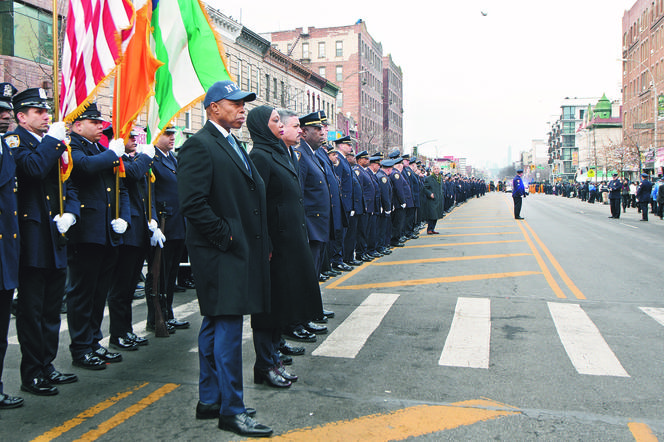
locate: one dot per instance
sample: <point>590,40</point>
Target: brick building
<point>350,57</point>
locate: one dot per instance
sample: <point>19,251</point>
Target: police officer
<point>615,187</point>
<point>7,91</point>
<point>166,198</point>
<point>357,210</point>
<point>38,151</point>
<point>384,225</point>
<point>134,247</point>
<point>411,211</point>
<point>345,174</point>
<point>518,192</point>
<point>643,196</point>
<point>94,239</point>
<point>366,219</point>
<point>373,242</point>
<point>399,201</point>
<point>9,252</point>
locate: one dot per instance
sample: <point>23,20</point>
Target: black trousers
<point>318,252</point>
<point>644,210</point>
<point>382,222</point>
<point>121,292</point>
<point>362,229</point>
<point>170,261</point>
<point>398,219</point>
<point>350,238</point>
<point>266,344</point>
<point>371,232</point>
<point>517,206</point>
<point>615,207</point>
<point>432,225</point>
<point>38,319</point>
<point>91,270</point>
<point>625,201</point>
<point>5,313</point>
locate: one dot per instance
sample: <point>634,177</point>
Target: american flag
<point>91,49</point>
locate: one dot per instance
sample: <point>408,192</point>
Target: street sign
<point>643,126</point>
<point>591,173</point>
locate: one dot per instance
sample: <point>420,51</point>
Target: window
<point>187,120</point>
<point>340,73</point>
<point>305,51</point>
<point>321,49</point>
<point>239,73</point>
<point>339,48</point>
<point>568,113</point>
<point>267,87</point>
<point>321,71</point>
<point>569,127</point>
<point>274,89</point>
<point>283,94</point>
<point>26,32</point>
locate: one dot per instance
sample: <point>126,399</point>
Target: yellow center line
<point>448,259</point>
<point>445,279</point>
<point>82,417</point>
<point>545,270</point>
<point>119,418</point>
<point>463,243</point>
<point>641,432</point>
<point>566,279</point>
<point>478,222</point>
<point>345,277</point>
<point>474,234</point>
<point>403,424</point>
<point>470,227</point>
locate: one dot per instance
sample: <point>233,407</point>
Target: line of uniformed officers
<point>71,228</point>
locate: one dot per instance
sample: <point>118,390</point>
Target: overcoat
<point>9,238</point>
<point>434,207</point>
<point>295,291</point>
<point>227,237</point>
<point>165,168</point>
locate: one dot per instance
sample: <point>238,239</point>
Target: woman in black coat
<point>295,293</point>
<point>433,189</point>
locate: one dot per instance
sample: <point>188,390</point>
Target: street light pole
<point>654,114</point>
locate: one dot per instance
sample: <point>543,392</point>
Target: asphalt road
<point>551,328</point>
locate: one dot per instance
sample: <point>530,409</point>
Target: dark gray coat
<point>434,207</point>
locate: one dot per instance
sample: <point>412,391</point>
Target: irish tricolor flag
<point>193,56</point>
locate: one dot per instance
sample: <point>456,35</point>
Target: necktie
<point>237,150</point>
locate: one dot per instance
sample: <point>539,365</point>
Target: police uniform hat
<point>108,132</point>
<point>387,162</point>
<point>395,153</point>
<point>330,148</point>
<point>397,160</point>
<point>323,117</point>
<point>615,174</point>
<point>226,90</point>
<point>375,159</point>
<point>519,170</point>
<point>344,140</point>
<point>90,113</point>
<point>169,130</point>
<point>7,91</point>
<point>34,97</point>
<point>379,155</point>
<point>644,174</point>
<point>363,154</point>
<point>405,156</point>
<point>312,119</point>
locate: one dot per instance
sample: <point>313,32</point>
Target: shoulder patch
<point>396,176</point>
<point>357,172</point>
<point>298,154</point>
<point>384,180</point>
<point>13,141</point>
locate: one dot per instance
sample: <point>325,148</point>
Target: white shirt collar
<point>223,131</point>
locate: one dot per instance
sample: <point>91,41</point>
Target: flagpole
<point>116,130</point>
<point>56,94</point>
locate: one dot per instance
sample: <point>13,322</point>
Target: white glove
<point>57,131</point>
<point>119,226</point>
<point>403,206</point>
<point>381,210</point>
<point>158,238</point>
<point>387,212</point>
<point>117,146</point>
<point>147,149</point>
<point>352,213</point>
<point>64,222</point>
<point>65,157</point>
<point>152,225</point>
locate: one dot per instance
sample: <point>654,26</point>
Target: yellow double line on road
<point>114,421</point>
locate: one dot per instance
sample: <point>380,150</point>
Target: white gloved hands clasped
<point>57,131</point>
<point>117,146</point>
<point>147,149</point>
<point>119,226</point>
<point>403,206</point>
<point>152,225</point>
<point>64,222</point>
<point>158,238</point>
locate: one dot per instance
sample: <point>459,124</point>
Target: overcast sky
<point>476,84</point>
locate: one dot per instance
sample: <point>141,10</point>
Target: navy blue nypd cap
<point>226,90</point>
<point>7,91</point>
<point>363,154</point>
<point>34,97</point>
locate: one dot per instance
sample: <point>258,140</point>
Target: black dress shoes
<point>328,313</point>
<point>396,244</point>
<point>321,320</point>
<point>288,349</point>
<point>138,340</point>
<point>40,386</point>
<point>55,377</point>
<point>342,267</point>
<point>366,258</point>
<point>354,262</point>
<point>286,375</point>
<point>90,361</point>
<point>271,377</point>
<point>7,402</point>
<point>211,411</point>
<point>323,278</point>
<point>300,334</point>
<point>518,217</point>
<point>315,328</point>
<point>122,343</point>
<point>285,359</point>
<point>244,425</point>
<point>188,284</point>
<point>178,324</point>
<point>107,356</point>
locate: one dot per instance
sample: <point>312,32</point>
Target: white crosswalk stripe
<point>467,344</point>
<point>350,336</point>
<point>656,313</point>
<point>583,342</point>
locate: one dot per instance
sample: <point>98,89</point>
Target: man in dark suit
<point>165,168</point>
<point>643,196</point>
<point>615,187</point>
<point>9,251</point>
<point>43,263</point>
<point>518,192</point>
<point>94,239</point>
<point>222,197</point>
